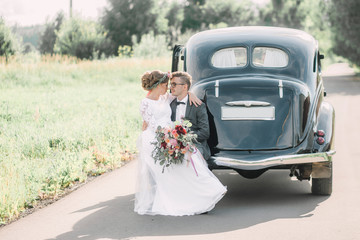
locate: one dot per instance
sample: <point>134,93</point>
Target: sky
<point>32,12</point>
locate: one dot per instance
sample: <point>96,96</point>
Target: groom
<point>180,108</point>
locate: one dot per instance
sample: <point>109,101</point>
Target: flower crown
<point>161,80</point>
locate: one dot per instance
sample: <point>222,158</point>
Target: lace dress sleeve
<point>147,114</point>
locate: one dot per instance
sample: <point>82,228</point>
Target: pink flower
<point>166,130</point>
<point>175,134</point>
<point>173,142</point>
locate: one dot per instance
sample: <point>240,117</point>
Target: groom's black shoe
<point>204,213</point>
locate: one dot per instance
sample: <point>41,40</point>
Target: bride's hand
<point>193,99</point>
<point>144,126</point>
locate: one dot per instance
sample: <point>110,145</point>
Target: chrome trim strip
<point>261,163</point>
<point>281,89</point>
<point>247,119</point>
<point>217,88</point>
<point>247,103</point>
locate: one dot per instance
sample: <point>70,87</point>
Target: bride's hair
<point>150,80</point>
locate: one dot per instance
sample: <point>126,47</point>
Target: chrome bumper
<point>259,162</point>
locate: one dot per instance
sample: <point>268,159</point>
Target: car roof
<point>287,37</point>
<point>300,46</point>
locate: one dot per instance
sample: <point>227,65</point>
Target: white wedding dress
<point>179,190</point>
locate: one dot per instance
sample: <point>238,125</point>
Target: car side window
<point>182,66</point>
<point>269,57</point>
<point>320,57</point>
<point>230,57</point>
<point>315,61</point>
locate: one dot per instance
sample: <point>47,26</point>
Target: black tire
<point>322,186</point>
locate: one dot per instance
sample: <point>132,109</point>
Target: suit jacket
<point>200,124</point>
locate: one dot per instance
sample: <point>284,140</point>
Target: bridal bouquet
<point>172,143</point>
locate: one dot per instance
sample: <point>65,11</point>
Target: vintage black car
<point>265,99</point>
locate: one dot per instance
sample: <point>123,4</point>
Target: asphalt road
<point>270,207</point>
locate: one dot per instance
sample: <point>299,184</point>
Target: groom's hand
<point>193,99</point>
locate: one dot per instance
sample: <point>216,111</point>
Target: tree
<point>175,17</point>
<point>317,24</point>
<point>193,15</point>
<point>345,23</point>
<point>81,38</point>
<point>284,13</point>
<point>228,12</point>
<point>201,15</point>
<point>9,44</point>
<point>125,18</point>
<point>48,38</point>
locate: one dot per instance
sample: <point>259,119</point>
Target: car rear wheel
<point>322,186</point>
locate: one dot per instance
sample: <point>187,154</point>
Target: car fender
<point>326,123</point>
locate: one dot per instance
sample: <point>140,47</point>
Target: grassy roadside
<point>62,120</point>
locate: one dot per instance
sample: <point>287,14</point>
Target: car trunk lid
<point>250,114</point>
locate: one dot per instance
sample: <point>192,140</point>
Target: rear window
<point>268,57</point>
<point>230,57</point>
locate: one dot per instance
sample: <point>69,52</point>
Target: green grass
<point>63,121</point>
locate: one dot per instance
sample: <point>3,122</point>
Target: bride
<point>179,190</point>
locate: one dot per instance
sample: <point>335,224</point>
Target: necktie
<point>177,103</point>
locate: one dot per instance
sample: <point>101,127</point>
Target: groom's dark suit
<point>200,124</point>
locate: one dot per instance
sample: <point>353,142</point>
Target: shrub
<point>125,51</point>
<point>151,46</point>
<point>28,48</point>
<point>83,39</point>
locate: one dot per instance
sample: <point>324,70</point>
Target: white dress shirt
<point>181,108</point>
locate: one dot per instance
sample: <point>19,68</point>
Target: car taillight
<point>320,140</point>
<point>320,134</point>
